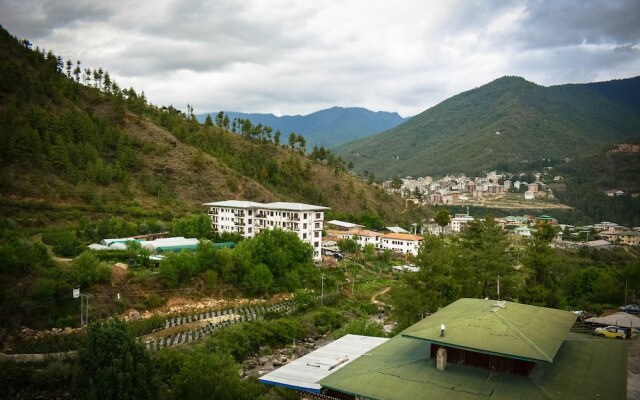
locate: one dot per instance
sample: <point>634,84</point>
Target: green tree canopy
<point>113,365</point>
<point>442,218</point>
<point>192,226</point>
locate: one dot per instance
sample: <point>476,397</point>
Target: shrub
<point>328,320</point>
<point>361,326</point>
<point>145,326</point>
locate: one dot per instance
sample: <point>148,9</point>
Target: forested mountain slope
<point>75,142</point>
<point>328,128</point>
<point>509,120</point>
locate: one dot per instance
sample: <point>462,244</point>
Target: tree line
<point>481,262</point>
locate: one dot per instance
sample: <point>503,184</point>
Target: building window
<point>304,236</point>
<point>316,234</point>
<point>317,225</point>
<point>304,226</point>
<point>304,215</point>
<point>317,215</point>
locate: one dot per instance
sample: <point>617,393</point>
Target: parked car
<point>631,309</point>
<point>613,332</point>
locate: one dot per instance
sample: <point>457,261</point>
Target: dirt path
<point>629,251</point>
<point>379,293</point>
<point>38,238</point>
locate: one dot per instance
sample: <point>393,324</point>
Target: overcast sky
<point>297,57</point>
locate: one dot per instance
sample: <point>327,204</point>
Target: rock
<point>263,360</point>
<point>68,330</point>
<point>134,315</point>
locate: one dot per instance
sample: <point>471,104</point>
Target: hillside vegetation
<point>78,144</point>
<point>509,120</point>
<point>607,168</point>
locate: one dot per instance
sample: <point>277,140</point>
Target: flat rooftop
<point>305,372</point>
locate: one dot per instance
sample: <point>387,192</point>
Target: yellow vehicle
<point>612,332</point>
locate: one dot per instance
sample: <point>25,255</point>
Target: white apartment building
<point>459,222</point>
<point>248,218</point>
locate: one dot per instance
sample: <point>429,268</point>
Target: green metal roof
<point>503,328</point>
<point>585,368</point>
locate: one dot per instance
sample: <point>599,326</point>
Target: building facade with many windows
<point>248,218</point>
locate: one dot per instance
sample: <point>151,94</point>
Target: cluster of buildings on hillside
<point>307,221</point>
<point>248,219</point>
<point>460,189</point>
<point>394,238</point>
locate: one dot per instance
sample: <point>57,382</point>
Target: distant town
<point>460,189</point>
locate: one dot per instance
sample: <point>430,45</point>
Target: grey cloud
<point>627,48</point>
<point>296,56</point>
<point>572,22</point>
<point>35,19</point>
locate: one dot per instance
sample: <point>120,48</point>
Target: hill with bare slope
<point>77,144</point>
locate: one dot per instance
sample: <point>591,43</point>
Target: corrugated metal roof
<point>273,206</point>
<point>361,232</point>
<point>403,236</point>
<point>619,319</point>
<point>344,224</point>
<point>305,372</point>
<point>584,368</point>
<point>234,204</point>
<point>294,206</point>
<point>396,229</point>
<point>508,329</point>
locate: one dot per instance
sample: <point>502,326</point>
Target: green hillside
<point>605,169</point>
<point>77,145</point>
<point>509,120</point>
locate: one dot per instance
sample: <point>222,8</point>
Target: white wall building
<point>403,243</point>
<point>459,222</point>
<point>363,237</point>
<point>248,218</point>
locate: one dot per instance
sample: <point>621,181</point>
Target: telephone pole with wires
<point>84,306</point>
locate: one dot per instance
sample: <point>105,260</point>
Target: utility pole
<point>84,307</point>
<point>625,290</point>
<point>353,283</point>
<point>84,310</point>
<point>322,292</point>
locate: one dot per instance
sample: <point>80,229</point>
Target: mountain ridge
<point>509,119</point>
<point>328,128</point>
